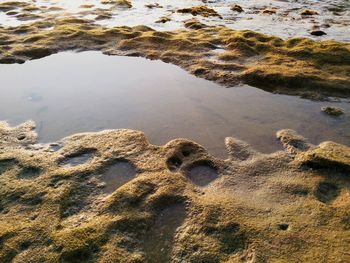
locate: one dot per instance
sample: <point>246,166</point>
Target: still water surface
<point>68,93</point>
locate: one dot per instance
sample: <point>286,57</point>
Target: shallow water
<point>202,174</point>
<point>333,18</point>
<point>117,174</point>
<point>68,93</point>
<point>78,159</point>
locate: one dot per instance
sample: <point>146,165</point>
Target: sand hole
<point>283,227</point>
<point>202,173</point>
<point>187,150</point>
<point>54,147</point>
<point>174,163</point>
<point>78,158</point>
<point>25,244</point>
<point>159,241</point>
<point>29,172</point>
<point>326,192</point>
<point>118,174</point>
<point>21,137</point>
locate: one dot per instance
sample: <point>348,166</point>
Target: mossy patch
<point>257,207</point>
<point>199,10</point>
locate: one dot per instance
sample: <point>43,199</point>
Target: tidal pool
<point>70,92</point>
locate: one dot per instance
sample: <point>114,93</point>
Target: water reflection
<point>90,91</point>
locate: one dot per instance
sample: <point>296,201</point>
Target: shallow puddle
<point>118,174</point>
<point>202,174</point>
<point>80,92</point>
<point>78,158</point>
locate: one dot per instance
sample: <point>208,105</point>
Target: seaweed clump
<point>199,10</point>
<point>120,3</point>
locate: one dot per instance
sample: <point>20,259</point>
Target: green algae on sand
<point>257,206</point>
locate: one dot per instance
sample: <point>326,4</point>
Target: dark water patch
<point>159,241</point>
<point>118,174</point>
<point>33,200</point>
<point>6,164</point>
<point>326,192</point>
<point>78,158</point>
<point>25,244</point>
<point>29,172</point>
<point>202,173</point>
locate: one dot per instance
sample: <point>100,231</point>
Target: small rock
<point>163,19</point>
<point>308,12</point>
<point>269,11</point>
<point>12,13</point>
<point>333,111</point>
<point>237,8</point>
<point>155,5</point>
<point>194,24</point>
